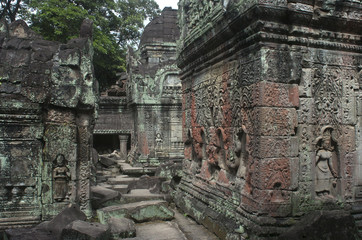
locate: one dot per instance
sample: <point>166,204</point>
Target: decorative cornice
<point>111,131</point>
<point>262,24</point>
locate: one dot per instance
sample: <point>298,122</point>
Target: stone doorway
<point>106,143</point>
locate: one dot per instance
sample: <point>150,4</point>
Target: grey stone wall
<point>148,105</point>
<point>48,96</point>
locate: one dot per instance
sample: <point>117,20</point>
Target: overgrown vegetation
<point>117,23</point>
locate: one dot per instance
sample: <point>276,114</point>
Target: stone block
<point>70,57</point>
<point>65,96</point>
<point>275,174</point>
<point>122,228</point>
<point>101,196</point>
<point>275,203</point>
<point>16,58</point>
<point>273,147</point>
<point>27,234</point>
<point>318,225</point>
<point>267,121</point>
<point>139,212</point>
<point>106,161</point>
<point>84,230</point>
<point>281,65</point>
<point>269,94</point>
<point>147,182</point>
<point>71,213</point>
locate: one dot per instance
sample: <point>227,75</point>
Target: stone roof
<point>162,29</point>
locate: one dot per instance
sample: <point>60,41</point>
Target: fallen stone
<point>71,213</point>
<point>27,234</point>
<point>86,231</point>
<point>102,197</point>
<point>139,211</point>
<point>121,180</point>
<point>122,228</point>
<point>323,225</point>
<point>137,195</point>
<point>169,170</point>
<point>122,188</point>
<point>147,182</point>
<point>106,161</point>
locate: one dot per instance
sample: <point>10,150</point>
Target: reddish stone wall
<point>270,117</point>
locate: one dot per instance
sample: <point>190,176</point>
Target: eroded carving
<point>326,175</point>
<point>238,155</point>
<point>159,141</point>
<point>61,176</point>
<point>220,150</point>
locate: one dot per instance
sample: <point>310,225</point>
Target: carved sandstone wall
<point>154,91</point>
<point>148,113</point>
<point>48,97</point>
<point>272,112</point>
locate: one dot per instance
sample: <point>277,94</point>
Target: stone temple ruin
<point>260,99</point>
<point>48,97</point>
<point>142,113</point>
<point>272,112</point>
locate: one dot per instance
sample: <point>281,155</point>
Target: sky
<point>167,3</point>
<point>162,4</point>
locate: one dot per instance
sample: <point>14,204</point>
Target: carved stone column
<point>83,161</point>
<point>123,139</point>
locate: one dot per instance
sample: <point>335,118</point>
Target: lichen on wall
<point>271,112</point>
<point>149,107</point>
<point>49,95</point>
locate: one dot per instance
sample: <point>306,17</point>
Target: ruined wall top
<point>46,72</point>
<point>162,29</point>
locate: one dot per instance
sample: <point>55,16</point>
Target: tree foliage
<point>116,23</point>
<point>11,9</point>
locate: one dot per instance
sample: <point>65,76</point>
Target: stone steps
<point>137,195</point>
<point>136,171</point>
<point>122,188</point>
<point>121,180</point>
<point>155,221</point>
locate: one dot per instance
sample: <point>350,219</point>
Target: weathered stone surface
<point>46,125</point>
<point>323,225</point>
<point>159,231</point>
<point>270,112</point>
<point>27,234</point>
<point>169,170</point>
<point>102,197</point>
<point>144,107</point>
<point>139,211</point>
<point>146,182</point>
<point>137,195</point>
<point>58,223</point>
<point>106,161</point>
<point>84,230</point>
<point>122,228</point>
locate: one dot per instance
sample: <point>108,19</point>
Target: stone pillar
<point>123,139</point>
<point>84,160</point>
